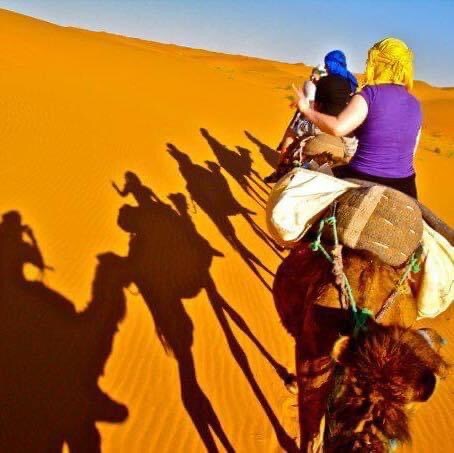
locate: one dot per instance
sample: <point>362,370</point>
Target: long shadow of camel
<point>169,261</point>
<point>51,356</point>
<point>239,165</point>
<point>210,190</point>
<point>270,155</point>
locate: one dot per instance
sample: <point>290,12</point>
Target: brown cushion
<point>325,143</point>
<point>381,220</point>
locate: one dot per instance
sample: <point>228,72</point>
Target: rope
<point>413,266</point>
<point>360,316</point>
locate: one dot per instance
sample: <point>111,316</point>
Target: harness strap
<point>347,300</point>
<point>413,266</point>
<point>360,316</point>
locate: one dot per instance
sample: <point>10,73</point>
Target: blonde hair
<point>390,61</point>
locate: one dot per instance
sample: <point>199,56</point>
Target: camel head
<point>112,273</point>
<point>180,157</point>
<point>129,218</point>
<point>380,374</point>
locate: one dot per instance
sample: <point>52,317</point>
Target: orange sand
<point>78,109</point>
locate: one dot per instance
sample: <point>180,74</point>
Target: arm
<point>31,252</point>
<point>347,121</point>
<point>120,192</point>
<point>418,137</point>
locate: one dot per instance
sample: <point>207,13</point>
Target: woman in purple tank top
<point>384,116</point>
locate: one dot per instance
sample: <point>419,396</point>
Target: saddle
<point>379,220</point>
<point>314,152</point>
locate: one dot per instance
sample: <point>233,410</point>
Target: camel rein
<point>347,300</point>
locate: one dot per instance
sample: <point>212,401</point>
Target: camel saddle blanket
<point>434,285</point>
<point>299,199</point>
<point>380,220</point>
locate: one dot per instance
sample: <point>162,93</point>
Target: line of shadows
<point>210,190</point>
<point>270,155</point>
<point>169,261</point>
<point>239,165</point>
<point>50,355</point>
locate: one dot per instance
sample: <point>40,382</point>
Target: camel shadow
<point>209,189</point>
<point>270,155</point>
<point>51,356</point>
<point>239,165</point>
<point>169,261</point>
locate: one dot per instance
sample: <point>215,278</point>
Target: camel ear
<point>339,348</point>
<point>433,338</point>
<point>425,387</point>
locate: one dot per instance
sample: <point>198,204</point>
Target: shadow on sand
<point>169,261</point>
<point>239,165</point>
<point>51,356</point>
<point>209,189</point>
<point>270,155</point>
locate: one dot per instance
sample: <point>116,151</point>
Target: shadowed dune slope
<point>198,358</point>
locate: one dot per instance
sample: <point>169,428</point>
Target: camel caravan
<point>366,261</point>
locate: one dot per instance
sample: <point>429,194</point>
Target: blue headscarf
<point>336,64</point>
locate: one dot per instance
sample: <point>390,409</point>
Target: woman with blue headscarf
<point>334,91</point>
<point>336,64</point>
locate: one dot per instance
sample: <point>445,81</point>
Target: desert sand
<point>77,110</point>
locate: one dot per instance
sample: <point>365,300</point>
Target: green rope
<point>413,266</point>
<point>361,316</point>
<point>317,244</point>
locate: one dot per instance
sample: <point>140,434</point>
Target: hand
<point>27,230</point>
<point>300,102</point>
<point>114,185</point>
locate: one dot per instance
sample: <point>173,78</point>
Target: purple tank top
<point>387,137</point>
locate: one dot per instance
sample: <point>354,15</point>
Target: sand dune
<point>200,359</point>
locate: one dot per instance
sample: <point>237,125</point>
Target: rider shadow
<point>270,155</point>
<point>239,165</point>
<point>210,190</point>
<point>170,261</point>
<point>51,356</point>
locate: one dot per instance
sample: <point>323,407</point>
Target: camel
<point>168,261</point>
<point>52,356</point>
<point>355,386</point>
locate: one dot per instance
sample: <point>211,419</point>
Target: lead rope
<point>360,316</point>
<point>413,266</point>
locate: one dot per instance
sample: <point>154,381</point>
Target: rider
<point>342,82</point>
<point>333,93</point>
<point>386,117</point>
<point>18,246</point>
<point>299,126</point>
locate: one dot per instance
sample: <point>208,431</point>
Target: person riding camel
<point>298,125</point>
<point>18,246</point>
<point>384,116</point>
<point>333,93</point>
